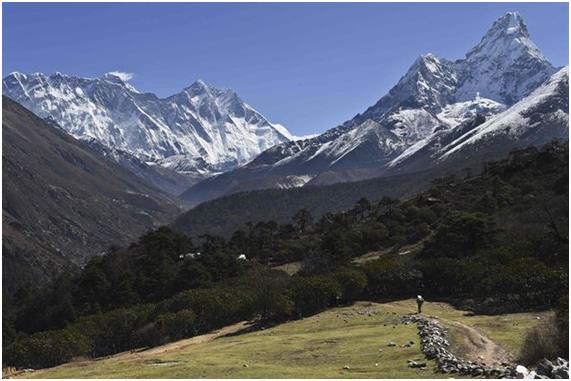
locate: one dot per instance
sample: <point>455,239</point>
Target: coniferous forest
<point>492,241</point>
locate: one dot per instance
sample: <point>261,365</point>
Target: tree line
<point>496,241</point>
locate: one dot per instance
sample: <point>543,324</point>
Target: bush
<point>352,282</point>
<point>270,301</point>
<point>541,342</point>
<point>562,322</point>
<point>114,331</point>
<point>538,284</point>
<point>461,235</point>
<point>213,307</point>
<point>387,278</point>
<point>314,294</point>
<point>47,349</point>
<point>174,326</point>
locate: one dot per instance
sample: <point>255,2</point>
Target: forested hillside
<point>226,214</point>
<point>495,241</point>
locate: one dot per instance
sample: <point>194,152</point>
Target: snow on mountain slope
<point>457,113</point>
<point>434,93</point>
<point>451,117</point>
<point>535,120</point>
<point>433,102</point>
<point>201,129</point>
<point>289,182</point>
<point>547,106</point>
<point>505,66</point>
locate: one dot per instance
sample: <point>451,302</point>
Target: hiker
<point>419,301</point>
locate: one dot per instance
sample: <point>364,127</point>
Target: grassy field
<point>321,346</point>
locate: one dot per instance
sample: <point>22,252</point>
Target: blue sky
<point>307,66</point>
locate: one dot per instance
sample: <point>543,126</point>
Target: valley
<point>183,234</point>
<point>443,242</point>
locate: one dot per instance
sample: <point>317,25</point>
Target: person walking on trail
<point>419,301</point>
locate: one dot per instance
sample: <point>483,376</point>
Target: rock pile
<point>547,369</point>
<point>434,344</point>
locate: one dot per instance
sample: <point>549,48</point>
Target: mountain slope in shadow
<point>63,202</point>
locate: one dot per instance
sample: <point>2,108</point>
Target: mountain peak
<point>428,57</point>
<point>16,74</point>
<point>113,77</point>
<point>505,65</point>
<point>200,88</point>
<point>199,122</point>
<point>508,33</point>
<point>14,77</point>
<point>428,62</point>
<point>199,85</point>
<point>511,24</point>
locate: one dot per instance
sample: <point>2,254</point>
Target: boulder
<point>560,372</point>
<point>544,367</point>
<point>521,371</point>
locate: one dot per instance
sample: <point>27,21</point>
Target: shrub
<point>461,235</point>
<point>213,307</point>
<point>47,349</point>
<point>541,342</point>
<point>314,294</point>
<point>175,326</point>
<point>270,301</point>
<point>537,283</point>
<point>387,278</point>
<point>562,322</point>
<point>114,331</point>
<point>352,282</point>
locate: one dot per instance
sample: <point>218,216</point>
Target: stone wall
<point>435,345</point>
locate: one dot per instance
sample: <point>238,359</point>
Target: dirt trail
<point>229,329</point>
<point>469,343</point>
<point>404,250</point>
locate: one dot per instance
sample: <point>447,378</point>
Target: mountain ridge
<point>434,95</point>
<point>204,129</point>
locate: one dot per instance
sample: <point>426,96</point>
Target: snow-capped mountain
<point>436,97</point>
<point>199,131</point>
<point>505,66</point>
<point>534,120</point>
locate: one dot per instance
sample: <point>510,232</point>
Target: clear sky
<point>309,67</point>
